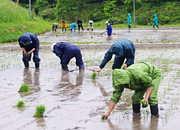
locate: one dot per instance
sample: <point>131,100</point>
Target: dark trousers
<point>80,26</point>
<point>35,56</point>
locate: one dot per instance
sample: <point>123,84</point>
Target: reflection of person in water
<point>34,83</point>
<point>71,89</point>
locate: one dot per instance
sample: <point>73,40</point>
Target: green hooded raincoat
<point>138,77</point>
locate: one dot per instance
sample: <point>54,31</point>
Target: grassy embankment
<point>14,21</point>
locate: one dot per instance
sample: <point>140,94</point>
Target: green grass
<point>24,88</point>
<point>40,111</point>
<point>15,21</point>
<point>20,104</point>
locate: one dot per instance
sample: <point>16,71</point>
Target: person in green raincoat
<point>141,77</point>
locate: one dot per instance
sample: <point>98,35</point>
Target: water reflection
<point>32,80</point>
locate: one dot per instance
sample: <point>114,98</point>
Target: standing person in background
<point>54,27</point>
<point>129,20</point>
<point>66,51</point>
<point>64,25</point>
<point>73,27</point>
<point>155,20</point>
<point>29,43</point>
<point>122,49</point>
<point>109,28</point>
<point>90,25</point>
<point>79,23</point>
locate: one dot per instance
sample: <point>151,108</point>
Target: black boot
<point>81,67</point>
<point>136,108</point>
<point>92,29</point>
<point>153,26</point>
<point>36,65</point>
<point>157,26</point>
<point>26,64</point>
<point>65,68</point>
<point>154,110</point>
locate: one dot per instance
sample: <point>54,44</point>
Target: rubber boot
<point>136,108</point>
<point>88,29</point>
<point>154,110</point>
<point>153,26</point>
<point>157,26</point>
<point>92,29</point>
<point>81,67</point>
<point>26,64</point>
<point>36,65</point>
<point>65,68</point>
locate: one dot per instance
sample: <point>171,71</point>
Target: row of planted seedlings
<point>40,109</point>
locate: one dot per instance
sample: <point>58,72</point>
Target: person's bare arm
<point>24,51</point>
<point>97,70</point>
<point>111,107</point>
<point>148,93</point>
<point>31,50</point>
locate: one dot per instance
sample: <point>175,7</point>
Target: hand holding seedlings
<point>97,70</point>
<point>93,76</point>
<point>144,104</point>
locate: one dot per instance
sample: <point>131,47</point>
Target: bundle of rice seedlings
<point>24,88</point>
<point>93,76</point>
<point>20,104</point>
<point>40,111</point>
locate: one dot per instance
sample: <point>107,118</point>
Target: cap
<point>106,22</point>
<point>52,46</point>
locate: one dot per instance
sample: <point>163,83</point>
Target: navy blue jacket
<point>28,41</point>
<point>109,29</point>
<point>121,48</point>
<point>66,51</point>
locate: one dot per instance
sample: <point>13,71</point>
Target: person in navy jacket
<point>109,28</point>
<point>66,51</point>
<point>122,49</point>
<point>29,43</point>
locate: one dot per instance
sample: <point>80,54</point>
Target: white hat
<point>52,46</point>
<point>106,22</point>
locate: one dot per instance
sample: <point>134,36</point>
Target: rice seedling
<point>102,117</point>
<point>24,88</point>
<point>40,111</point>
<point>144,104</point>
<point>20,104</point>
<point>93,76</point>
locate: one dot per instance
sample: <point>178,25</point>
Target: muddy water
<point>74,101</point>
<point>136,35</point>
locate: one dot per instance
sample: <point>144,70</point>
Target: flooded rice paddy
<point>74,101</point>
<point>142,35</point>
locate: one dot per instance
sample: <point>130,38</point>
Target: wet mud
<point>74,101</point>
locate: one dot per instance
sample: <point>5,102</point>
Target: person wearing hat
<point>129,20</point>
<point>141,77</point>
<point>79,23</point>
<point>66,51</point>
<point>29,43</point>
<point>122,49</point>
<point>54,27</point>
<point>64,25</point>
<point>155,20</point>
<point>73,27</point>
<point>108,28</point>
<point>90,25</point>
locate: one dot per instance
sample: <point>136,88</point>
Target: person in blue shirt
<point>73,26</point>
<point>109,28</point>
<point>155,20</point>
<point>122,49</point>
<point>129,20</point>
<point>66,51</point>
<point>29,43</point>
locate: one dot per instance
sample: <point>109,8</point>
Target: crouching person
<point>29,44</point>
<point>142,78</point>
<point>66,51</point>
